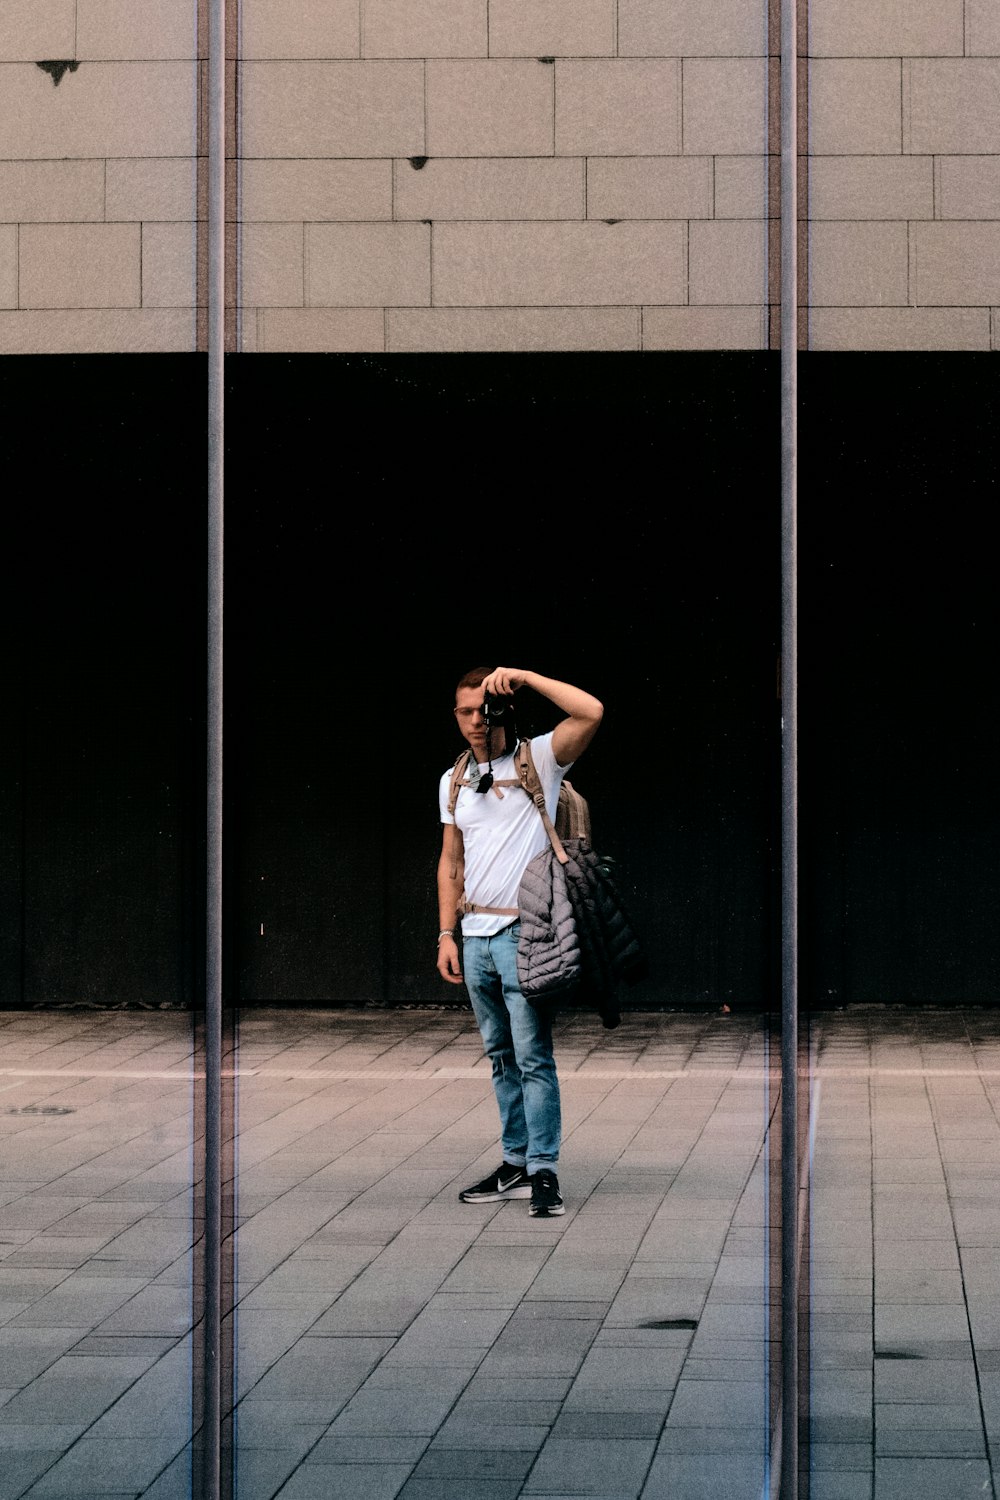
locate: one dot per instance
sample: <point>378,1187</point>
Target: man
<point>496,829</point>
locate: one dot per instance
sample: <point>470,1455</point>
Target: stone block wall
<point>421,175</point>
<point>98,175</point>
<point>503,175</point>
<point>904,174</point>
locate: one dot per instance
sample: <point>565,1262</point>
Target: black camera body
<point>494,709</point>
<point>499,714</point>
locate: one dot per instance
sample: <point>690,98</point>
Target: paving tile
<point>922,1380</point>
<point>829,1485</point>
<point>368,1449</point>
<point>703,1476</point>
<point>609,1424</point>
<point>609,1467</point>
<point>109,1466</point>
<point>921,1327</point>
<point>840,1458</point>
<point>460,1489</point>
<point>931,1478</point>
<point>486,1462</point>
<point>721,1403</point>
<point>20,1469</point>
<point>929,1443</point>
<point>411,1412</point>
<point>638,1244</point>
<point>27,1352</point>
<point>344,1482</point>
<point>718,1440</point>
<point>72,1390</point>
<point>922,1287</point>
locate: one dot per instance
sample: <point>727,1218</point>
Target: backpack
<point>572,820</point>
<point>577,939</point>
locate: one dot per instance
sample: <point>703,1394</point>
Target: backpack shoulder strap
<point>458,771</point>
<point>459,779</point>
<point>531,782</point>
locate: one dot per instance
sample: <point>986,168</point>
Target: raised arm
<point>583,711</point>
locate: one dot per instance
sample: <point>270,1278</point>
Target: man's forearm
<point>449,895</point>
<point>572,700</point>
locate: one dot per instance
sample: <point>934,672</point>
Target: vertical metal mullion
<point>789,757</point>
<point>212,1374</point>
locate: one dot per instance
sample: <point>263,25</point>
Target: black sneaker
<point>507,1181</point>
<point>546,1199</point>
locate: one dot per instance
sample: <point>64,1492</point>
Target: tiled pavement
<point>392,1342</point>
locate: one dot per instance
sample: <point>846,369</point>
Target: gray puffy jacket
<point>577,941</point>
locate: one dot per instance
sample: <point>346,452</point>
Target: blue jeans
<point>517,1039</point>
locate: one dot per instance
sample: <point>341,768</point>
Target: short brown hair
<point>475,678</point>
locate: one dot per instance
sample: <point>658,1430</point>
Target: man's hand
<point>504,682</point>
<point>448,965</point>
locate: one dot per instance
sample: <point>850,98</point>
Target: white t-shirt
<point>501,834</point>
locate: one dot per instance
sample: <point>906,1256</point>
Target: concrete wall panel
<point>161,189</point>
<point>725,102</point>
<point>169,262</point>
<point>51,191</point>
<point>367,265</point>
<point>619,108</point>
<point>957,264</point>
<point>8,265</point>
<point>884,329</point>
<point>315,330</point>
<point>704,328</point>
<point>644,187</point>
<point>316,189</point>
<point>493,330</point>
<point>968,187</point>
<point>499,107</point>
<point>982,28</point>
<point>332,109</point>
<point>123,30</point>
<point>31,29</point>
<point>691,28</point>
<point>858,265</point>
<point>272,266</point>
<point>79,265</point>
<point>871,187</point>
<point>434,28</point>
<point>855,107</point>
<point>103,109</point>
<point>727,262</point>
<point>886,28</point>
<point>951,106</point>
<point>552,265</point>
<point>522,188</point>
<point>741,188</point>
<point>105,331</point>
<point>284,29</point>
<point>552,28</point>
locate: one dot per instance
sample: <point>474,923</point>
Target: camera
<point>494,709</point>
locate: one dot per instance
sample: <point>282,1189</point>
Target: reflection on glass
<point>96,1236</point>
<point>386,1330</point>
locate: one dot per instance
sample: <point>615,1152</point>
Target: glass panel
<point>900,876</point>
<point>98,1204</point>
<point>387,1333</point>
